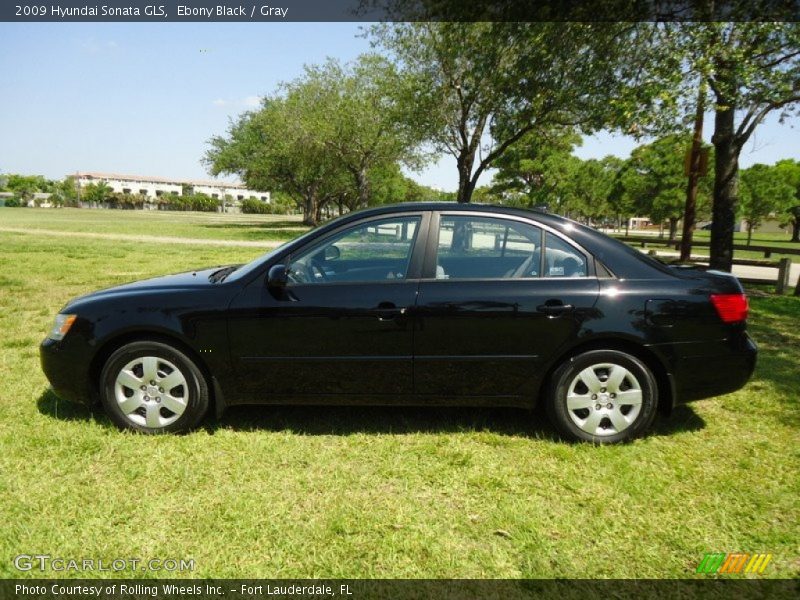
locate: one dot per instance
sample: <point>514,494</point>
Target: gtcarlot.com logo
<point>46,562</point>
<point>733,562</point>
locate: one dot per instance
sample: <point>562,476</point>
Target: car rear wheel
<point>602,396</point>
<point>152,387</point>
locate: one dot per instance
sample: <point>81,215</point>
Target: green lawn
<point>156,223</point>
<point>355,492</point>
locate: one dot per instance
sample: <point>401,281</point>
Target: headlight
<point>61,326</point>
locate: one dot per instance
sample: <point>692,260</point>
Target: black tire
<point>193,396</point>
<point>634,422</point>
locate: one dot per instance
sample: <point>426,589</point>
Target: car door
<point>499,298</point>
<point>341,326</point>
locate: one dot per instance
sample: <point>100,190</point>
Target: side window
<point>372,251</point>
<point>487,248</point>
<point>563,260</point>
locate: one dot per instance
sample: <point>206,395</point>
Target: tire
<point>612,397</point>
<point>153,388</point>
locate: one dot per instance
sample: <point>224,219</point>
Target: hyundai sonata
<point>415,304</point>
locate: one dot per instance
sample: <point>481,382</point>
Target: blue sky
<point>144,98</point>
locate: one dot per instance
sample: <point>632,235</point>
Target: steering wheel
<point>315,271</point>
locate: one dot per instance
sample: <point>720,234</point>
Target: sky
<point>144,98</point>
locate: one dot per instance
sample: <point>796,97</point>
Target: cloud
<point>246,102</point>
<point>93,46</point>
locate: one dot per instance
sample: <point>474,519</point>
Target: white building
<point>153,187</point>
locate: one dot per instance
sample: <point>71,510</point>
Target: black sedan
<point>415,304</point>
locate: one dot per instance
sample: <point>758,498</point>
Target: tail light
<point>731,308</point>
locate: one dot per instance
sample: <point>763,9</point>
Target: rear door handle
<point>554,308</point>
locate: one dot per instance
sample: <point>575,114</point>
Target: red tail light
<point>731,308</point>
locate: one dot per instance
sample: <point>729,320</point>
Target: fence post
<point>784,268</point>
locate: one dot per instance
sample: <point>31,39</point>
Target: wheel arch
<point>116,342</point>
<point>666,387</point>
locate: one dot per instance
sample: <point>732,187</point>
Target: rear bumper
<point>712,373</point>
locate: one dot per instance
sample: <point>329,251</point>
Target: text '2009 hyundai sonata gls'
<point>415,304</point>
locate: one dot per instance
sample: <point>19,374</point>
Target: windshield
<point>254,265</point>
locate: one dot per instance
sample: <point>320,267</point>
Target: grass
<point>197,225</point>
<point>377,492</point>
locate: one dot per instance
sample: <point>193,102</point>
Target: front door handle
<point>388,311</point>
<point>554,308</point>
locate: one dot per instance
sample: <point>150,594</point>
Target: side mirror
<point>278,276</point>
<point>332,252</point>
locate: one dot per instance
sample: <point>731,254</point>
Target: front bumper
<point>66,365</point>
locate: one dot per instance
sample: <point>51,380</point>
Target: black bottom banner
<point>358,589</point>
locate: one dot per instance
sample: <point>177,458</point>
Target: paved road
<point>770,273</point>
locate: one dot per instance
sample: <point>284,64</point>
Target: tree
<point>25,186</point>
<point>653,181</point>
<point>538,168</point>
<point>96,193</point>
<point>359,117</point>
<point>485,85</point>
<point>592,184</point>
<point>764,192</point>
<point>752,69</point>
<point>275,148</point>
<point>789,171</point>
<point>320,139</point>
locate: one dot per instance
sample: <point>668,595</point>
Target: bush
<point>199,202</point>
<point>15,202</point>
<point>253,206</point>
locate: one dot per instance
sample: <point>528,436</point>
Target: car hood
<point>178,281</point>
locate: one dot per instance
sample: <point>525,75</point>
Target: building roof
<point>152,179</point>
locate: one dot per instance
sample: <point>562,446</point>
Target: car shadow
<point>373,420</point>
<point>52,406</point>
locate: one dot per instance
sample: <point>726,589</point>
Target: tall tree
<point>358,114</point>
<point>275,148</point>
<point>322,136</point>
<point>752,69</point>
<point>486,85</point>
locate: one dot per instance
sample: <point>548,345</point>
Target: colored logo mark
<point>733,562</point>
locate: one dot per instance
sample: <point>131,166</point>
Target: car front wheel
<point>602,396</point>
<point>152,387</point>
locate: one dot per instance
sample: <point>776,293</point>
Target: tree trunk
<point>465,161</point>
<point>318,213</point>
<point>726,187</point>
<point>310,209</point>
<point>689,213</point>
<point>673,228</point>
<point>749,232</point>
<point>362,184</point>
<point>796,224</point>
